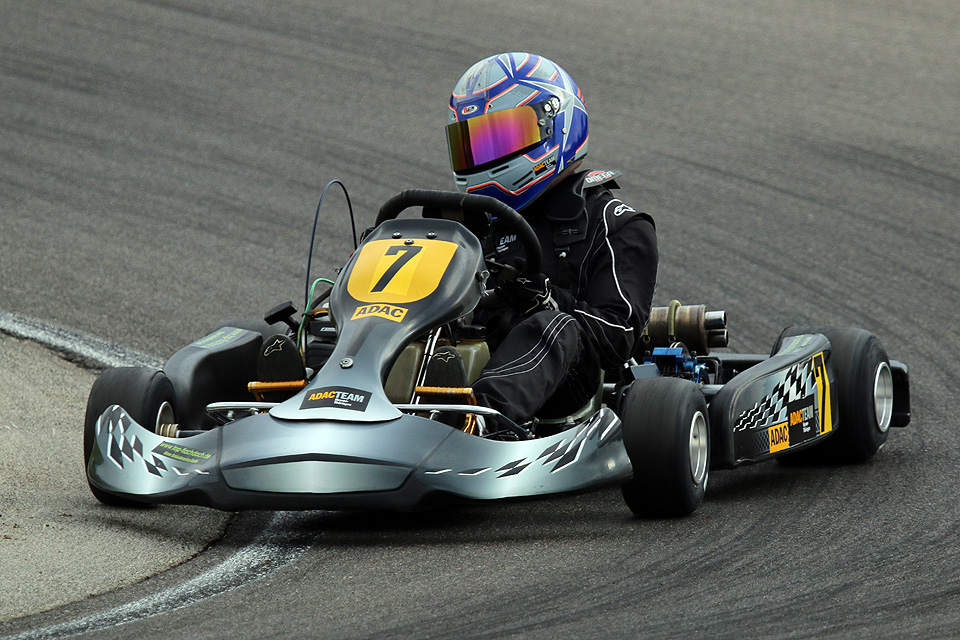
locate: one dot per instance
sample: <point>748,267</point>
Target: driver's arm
<point>617,279</point>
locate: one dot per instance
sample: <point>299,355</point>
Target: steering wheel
<point>470,204</point>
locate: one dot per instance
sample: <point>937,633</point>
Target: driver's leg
<point>534,360</point>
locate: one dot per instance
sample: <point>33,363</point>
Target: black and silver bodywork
<point>342,443</point>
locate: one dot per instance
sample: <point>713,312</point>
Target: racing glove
<point>527,294</point>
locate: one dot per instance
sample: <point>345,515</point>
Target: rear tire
<point>864,395</point>
<point>147,396</point>
<point>666,433</point>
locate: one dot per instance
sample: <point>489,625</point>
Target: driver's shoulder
<point>594,178</point>
<point>603,204</point>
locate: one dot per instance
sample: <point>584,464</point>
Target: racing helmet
<point>516,121</point>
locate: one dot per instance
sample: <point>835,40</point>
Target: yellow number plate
<point>393,272</point>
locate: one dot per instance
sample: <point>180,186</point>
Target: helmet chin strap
<point>563,174</point>
<point>557,179</point>
<point>566,172</point>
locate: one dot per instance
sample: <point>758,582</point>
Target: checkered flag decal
<point>603,427</point>
<point>798,382</point>
<point>123,445</point>
<point>120,446</point>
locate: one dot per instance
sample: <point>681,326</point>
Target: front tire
<point>147,396</point>
<point>666,433</point>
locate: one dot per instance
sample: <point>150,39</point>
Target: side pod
<point>762,397</point>
<point>217,366</point>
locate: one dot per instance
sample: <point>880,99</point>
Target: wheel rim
<point>699,448</point>
<point>883,397</point>
<point>164,416</point>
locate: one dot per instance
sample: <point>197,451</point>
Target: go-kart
<point>347,421</point>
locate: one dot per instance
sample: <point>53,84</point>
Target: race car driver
<point>518,132</point>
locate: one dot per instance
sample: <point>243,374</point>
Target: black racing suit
<point>601,258</point>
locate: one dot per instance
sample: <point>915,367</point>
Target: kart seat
<point>280,370</point>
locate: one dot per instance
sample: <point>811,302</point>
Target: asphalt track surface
<point>159,167</point>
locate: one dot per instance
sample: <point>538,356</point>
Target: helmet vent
<point>524,179</point>
<point>499,169</point>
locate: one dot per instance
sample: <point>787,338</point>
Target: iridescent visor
<point>489,137</point>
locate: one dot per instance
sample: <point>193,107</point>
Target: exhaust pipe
<point>700,330</point>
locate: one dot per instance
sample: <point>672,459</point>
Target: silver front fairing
<point>588,455</point>
<point>263,463</point>
<point>340,443</point>
<point>129,460</point>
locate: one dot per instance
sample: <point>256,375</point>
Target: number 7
<point>406,253</point>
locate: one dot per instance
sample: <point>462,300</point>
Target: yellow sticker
<point>395,272</point>
<point>823,393</point>
<point>387,311</point>
<point>779,435</point>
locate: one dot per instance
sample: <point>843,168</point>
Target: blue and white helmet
<point>517,120</point>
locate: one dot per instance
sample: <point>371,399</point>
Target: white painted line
<point>272,549</point>
<point>90,350</point>
<point>275,547</point>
